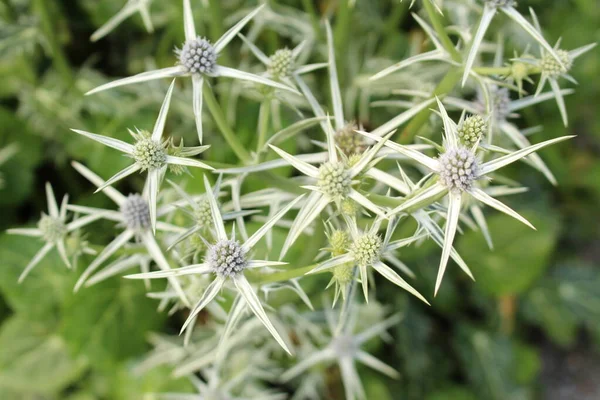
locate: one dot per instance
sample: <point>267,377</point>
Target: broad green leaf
<point>46,288</point>
<point>109,321</point>
<point>564,301</point>
<point>34,359</point>
<point>520,254</point>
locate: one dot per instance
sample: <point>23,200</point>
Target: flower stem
<point>219,117</point>
<point>436,21</point>
<point>263,124</point>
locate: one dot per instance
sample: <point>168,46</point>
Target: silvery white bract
<point>130,8</point>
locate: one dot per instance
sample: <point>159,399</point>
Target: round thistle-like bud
<point>202,214</point>
<point>343,274</point>
<point>500,99</point>
<point>338,242</point>
<point>501,3</point>
<point>458,169</point>
<point>551,67</point>
<point>149,154</point>
<point>136,212</point>
<point>349,207</point>
<point>226,258</point>
<point>334,179</point>
<point>471,130</point>
<point>53,228</point>
<point>366,249</point>
<point>349,141</point>
<point>198,56</point>
<point>281,63</point>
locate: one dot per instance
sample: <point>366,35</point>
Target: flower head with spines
<point>198,56</point>
<point>367,249</point>
<point>449,182</point>
<point>149,154</point>
<point>54,229</point>
<point>134,217</point>
<point>198,60</point>
<point>555,63</point>
<point>228,259</point>
<point>344,346</point>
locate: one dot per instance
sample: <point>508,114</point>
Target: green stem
<point>340,33</point>
<point>446,85</point>
<point>58,56</point>
<point>263,124</point>
<point>503,71</point>
<point>219,117</point>
<point>436,21</point>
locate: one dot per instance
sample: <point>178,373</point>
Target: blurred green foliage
<point>479,340</point>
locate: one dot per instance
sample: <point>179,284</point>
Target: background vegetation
<point>528,328</point>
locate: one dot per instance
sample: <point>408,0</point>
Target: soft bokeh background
<point>529,328</point>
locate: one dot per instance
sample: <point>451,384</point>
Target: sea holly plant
<point>228,259</point>
<point>319,188</point>
<point>455,175</point>
<point>53,229</point>
<point>198,60</point>
<point>150,154</point>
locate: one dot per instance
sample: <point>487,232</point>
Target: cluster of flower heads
<point>348,189</point>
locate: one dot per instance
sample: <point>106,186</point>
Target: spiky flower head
<point>500,102</point>
<point>501,3</point>
<point>366,249</point>
<point>198,56</point>
<point>349,207</point>
<point>136,212</point>
<point>202,213</point>
<point>334,179</point>
<point>458,169</point>
<point>471,130</point>
<point>148,153</point>
<point>551,67</point>
<point>227,258</point>
<point>53,228</point>
<point>281,63</point>
<point>350,142</point>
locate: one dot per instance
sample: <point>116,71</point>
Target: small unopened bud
<point>202,214</point>
<point>148,153</point>
<point>334,179</point>
<point>338,242</point>
<point>281,63</point>
<point>350,142</point>
<point>471,130</point>
<point>551,67</point>
<point>366,249</point>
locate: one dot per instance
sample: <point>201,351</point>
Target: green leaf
<point>452,393</point>
<point>520,254</point>
<point>108,322</point>
<point>44,291</point>
<point>34,359</point>
<point>565,300</point>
